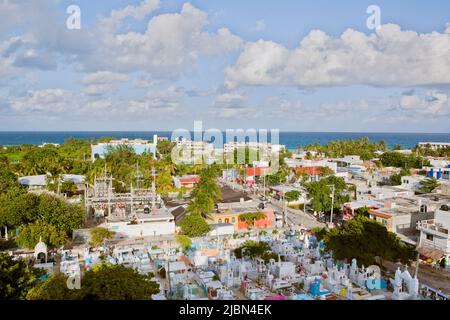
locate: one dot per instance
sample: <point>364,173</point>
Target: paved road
<point>437,279</point>
<point>294,217</point>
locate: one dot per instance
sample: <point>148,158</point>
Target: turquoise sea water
<point>290,139</point>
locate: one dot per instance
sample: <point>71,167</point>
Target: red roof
<point>380,214</point>
<point>256,171</point>
<point>314,170</point>
<point>188,180</point>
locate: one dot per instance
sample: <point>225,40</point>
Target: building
<point>402,213</point>
<point>230,213</point>
<point>439,172</point>
<point>279,192</point>
<point>252,173</point>
<point>189,152</point>
<point>265,150</point>
<point>412,182</point>
<point>187,181</point>
<point>434,145</point>
<point>138,213</point>
<point>41,181</point>
<point>434,241</point>
<point>139,146</point>
<point>34,182</point>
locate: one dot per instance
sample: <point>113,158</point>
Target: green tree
<point>325,171</point>
<point>17,207</point>
<point>99,236</point>
<point>164,148</point>
<point>202,204</point>
<point>396,178</point>
<point>428,185</point>
<point>292,195</point>
<point>30,234</point>
<point>250,217</point>
<point>193,225</point>
<point>116,282</point>
<point>255,249</point>
<point>364,211</point>
<point>53,288</point>
<point>8,180</point>
<point>320,193</point>
<point>400,160</point>
<point>164,183</point>
<point>184,241</point>
<point>16,277</point>
<point>364,239</point>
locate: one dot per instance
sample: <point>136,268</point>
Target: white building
<point>154,224</point>
<point>34,182</point>
<point>434,145</point>
<point>435,233</point>
<point>265,149</point>
<point>189,151</point>
<point>411,183</point>
<point>139,146</point>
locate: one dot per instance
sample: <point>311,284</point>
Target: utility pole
<point>332,201</point>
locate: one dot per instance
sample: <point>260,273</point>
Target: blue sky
<point>288,65</point>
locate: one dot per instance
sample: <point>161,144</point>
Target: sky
<point>163,64</point>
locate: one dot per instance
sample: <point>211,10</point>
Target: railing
<point>430,225</point>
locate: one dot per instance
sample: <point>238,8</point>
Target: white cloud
<point>171,43</point>
<point>61,103</point>
<point>137,12</point>
<point>47,101</point>
<point>260,25</point>
<point>389,57</point>
<point>435,104</point>
<point>231,100</point>
<point>102,77</point>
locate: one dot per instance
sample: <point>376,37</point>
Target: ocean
<point>291,139</point>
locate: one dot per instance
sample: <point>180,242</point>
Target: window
<point>430,237</point>
<point>220,220</point>
<point>233,219</point>
<point>423,208</point>
<point>227,220</point>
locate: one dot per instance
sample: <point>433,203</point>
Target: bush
<point>193,225</point>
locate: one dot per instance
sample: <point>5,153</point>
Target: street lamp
<point>333,188</point>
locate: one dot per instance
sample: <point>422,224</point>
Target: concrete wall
<point>142,229</point>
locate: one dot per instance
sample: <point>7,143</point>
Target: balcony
<point>429,225</point>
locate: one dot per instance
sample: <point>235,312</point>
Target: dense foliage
<point>400,160</point>
<point>16,277</point>
<point>364,239</point>
<point>102,282</point>
<point>116,282</point>
<point>193,225</point>
<point>255,249</point>
<point>428,185</point>
<point>99,236</point>
<point>292,195</point>
<point>396,178</point>
<point>320,193</point>
<point>250,217</point>
<point>46,216</point>
<point>340,148</point>
<point>184,241</point>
